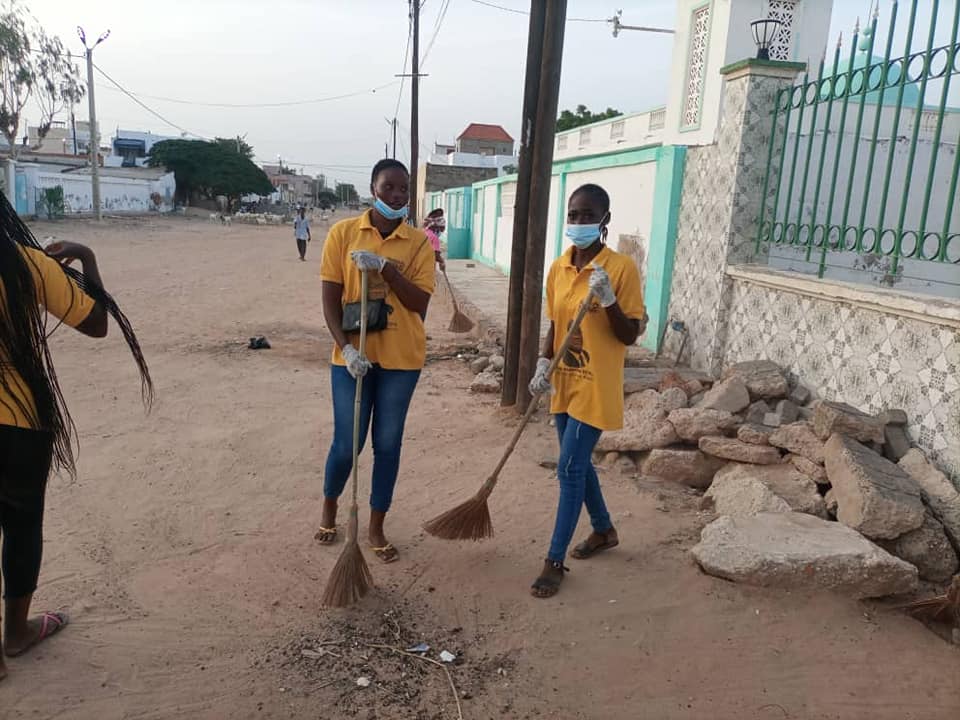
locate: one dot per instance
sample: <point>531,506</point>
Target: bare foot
<point>37,630</point>
<point>549,581</point>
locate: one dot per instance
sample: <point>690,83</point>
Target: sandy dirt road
<point>185,554</point>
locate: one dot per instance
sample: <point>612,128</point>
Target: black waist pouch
<point>378,313</point>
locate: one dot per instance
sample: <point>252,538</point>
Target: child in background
<point>433,226</point>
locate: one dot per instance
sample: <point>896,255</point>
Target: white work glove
<point>540,383</point>
<point>601,287</point>
<point>369,261</point>
<point>357,366</point>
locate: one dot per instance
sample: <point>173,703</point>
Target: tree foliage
<point>569,120</point>
<point>209,168</point>
<point>346,192</point>
<point>33,66</point>
<point>327,199</point>
<point>237,144</point>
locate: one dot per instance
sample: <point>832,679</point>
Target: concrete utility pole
<point>542,163</point>
<point>94,134</point>
<point>414,109</point>
<point>531,90</point>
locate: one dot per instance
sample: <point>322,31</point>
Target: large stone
<point>692,424</point>
<point>645,423</point>
<point>893,417</point>
<point>757,412</point>
<point>794,550</point>
<point>638,379</point>
<point>486,382</point>
<point>740,496</point>
<point>763,378</point>
<point>896,443</point>
<point>783,480</point>
<point>497,362</point>
<point>689,467</point>
<point>800,439</point>
<point>928,549</point>
<point>874,496</point>
<point>730,449</point>
<point>800,395</point>
<point>480,364</point>
<point>836,417</point>
<point>730,395</point>
<point>808,467</point>
<point>754,434</point>
<point>830,500</point>
<point>938,492</point>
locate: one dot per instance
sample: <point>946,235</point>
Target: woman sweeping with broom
<point>587,384</point>
<point>35,426</point>
<point>398,262</point>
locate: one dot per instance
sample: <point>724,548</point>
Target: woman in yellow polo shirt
<point>400,261</point>
<point>35,426</point>
<point>587,385</point>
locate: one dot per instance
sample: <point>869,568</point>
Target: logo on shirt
<point>576,356</point>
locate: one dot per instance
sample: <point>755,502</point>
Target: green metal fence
<point>863,160</point>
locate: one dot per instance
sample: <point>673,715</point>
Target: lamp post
<point>94,135</point>
<point>764,32</point>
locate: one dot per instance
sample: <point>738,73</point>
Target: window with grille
<point>562,142</point>
<point>784,11</point>
<point>696,66</point>
<point>585,136</point>
<point>617,129</point>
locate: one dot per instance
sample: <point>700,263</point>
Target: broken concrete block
<point>672,380</point>
<point>928,549</point>
<point>694,387</point>
<point>486,382</point>
<point>874,496</point>
<point>757,411</point>
<point>938,492</point>
<point>799,396</point>
<point>763,378</point>
<point>740,495</point>
<point>754,434</point>
<point>896,443</point>
<point>688,467</point>
<point>794,550</point>
<point>645,423</point>
<point>692,424</point>
<point>497,363</point>
<point>478,365</point>
<point>783,480</point>
<point>836,417</point>
<point>893,417</point>
<point>730,449</point>
<point>730,395</point>
<point>800,439</point>
<point>815,472</point>
<point>787,411</point>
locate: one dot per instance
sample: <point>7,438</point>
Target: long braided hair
<point>23,338</point>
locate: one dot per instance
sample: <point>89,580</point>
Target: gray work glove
<point>369,261</point>
<point>540,383</point>
<point>601,286</point>
<point>357,366</point>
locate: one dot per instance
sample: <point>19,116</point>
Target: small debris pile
<point>487,365</point>
<point>808,493</point>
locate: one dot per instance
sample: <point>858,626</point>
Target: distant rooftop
<point>488,133</point>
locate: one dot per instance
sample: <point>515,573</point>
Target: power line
<point>524,12</point>
<point>287,103</point>
<point>403,70</point>
<point>441,14</point>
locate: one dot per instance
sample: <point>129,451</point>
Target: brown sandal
<point>584,550</point>
<point>548,585</point>
<point>386,554</point>
<point>326,536</point>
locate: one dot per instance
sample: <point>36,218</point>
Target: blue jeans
<point>385,396</point>
<point>579,484</point>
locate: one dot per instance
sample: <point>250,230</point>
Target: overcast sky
<point>251,51</point>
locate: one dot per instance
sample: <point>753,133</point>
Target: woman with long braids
<point>36,431</point>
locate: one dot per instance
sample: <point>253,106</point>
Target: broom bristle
<point>350,578</point>
<point>467,521</point>
<point>460,323</point>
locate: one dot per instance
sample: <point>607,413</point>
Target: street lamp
<point>618,26</point>
<point>764,31</point>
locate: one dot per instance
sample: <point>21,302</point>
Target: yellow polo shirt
<point>61,297</point>
<point>589,378</point>
<point>403,344</point>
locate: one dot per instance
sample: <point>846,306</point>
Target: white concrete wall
<point>731,40</point>
<point>620,133</point>
<point>117,194</point>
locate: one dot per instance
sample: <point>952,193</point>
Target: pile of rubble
<point>487,365</point>
<point>806,493</point>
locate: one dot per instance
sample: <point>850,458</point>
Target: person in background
<point>587,385</point>
<point>301,231</point>
<point>36,431</point>
<point>400,263</point>
<point>433,226</point>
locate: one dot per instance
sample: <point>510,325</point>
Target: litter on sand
<point>312,654</point>
<point>421,648</point>
<point>259,343</point>
<point>447,656</point>
<point>363,682</point>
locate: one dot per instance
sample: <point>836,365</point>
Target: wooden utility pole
<point>531,90</point>
<point>414,109</point>
<point>541,170</point>
<point>394,156</point>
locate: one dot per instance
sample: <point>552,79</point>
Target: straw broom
<point>350,578</point>
<point>459,323</point>
<point>471,520</point>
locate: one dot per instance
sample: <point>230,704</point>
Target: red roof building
<point>485,140</point>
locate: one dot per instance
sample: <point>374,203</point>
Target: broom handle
<point>456,307</point>
<point>535,400</point>
<point>357,396</point>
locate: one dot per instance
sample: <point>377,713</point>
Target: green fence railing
<point>864,158</point>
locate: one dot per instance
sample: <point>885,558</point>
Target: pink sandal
<point>50,624</point>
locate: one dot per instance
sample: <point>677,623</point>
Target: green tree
<point>209,168</point>
<point>569,120</point>
<point>236,144</point>
<point>327,199</point>
<point>347,193</point>
<point>33,66</point>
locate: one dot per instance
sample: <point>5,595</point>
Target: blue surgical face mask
<point>388,212</point>
<point>583,236</point>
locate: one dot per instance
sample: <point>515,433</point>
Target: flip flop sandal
<point>386,554</point>
<point>50,624</point>
<point>326,536</point>
<point>547,584</point>
<point>584,550</point>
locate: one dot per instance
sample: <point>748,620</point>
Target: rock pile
<point>487,365</point>
<point>807,493</point>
